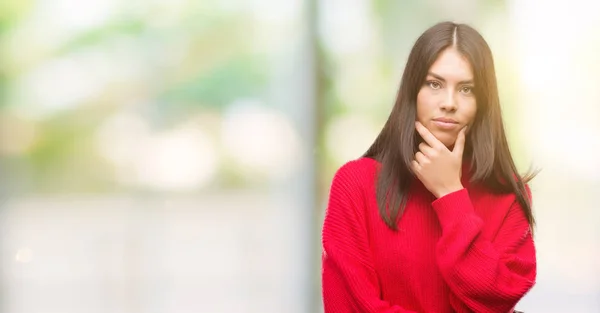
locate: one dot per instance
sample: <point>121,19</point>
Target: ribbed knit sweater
<point>468,251</point>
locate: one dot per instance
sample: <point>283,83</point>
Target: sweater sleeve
<point>349,280</point>
<point>484,275</point>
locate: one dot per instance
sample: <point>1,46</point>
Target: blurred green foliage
<point>218,62</point>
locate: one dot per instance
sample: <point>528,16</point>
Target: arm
<point>484,275</point>
<point>350,283</point>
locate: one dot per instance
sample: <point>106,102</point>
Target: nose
<point>449,102</point>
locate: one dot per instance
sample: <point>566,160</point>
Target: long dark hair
<point>487,147</point>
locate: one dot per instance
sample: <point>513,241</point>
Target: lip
<point>445,120</point>
<point>445,123</point>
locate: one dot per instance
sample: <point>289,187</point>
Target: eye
<point>434,84</point>
<point>467,90</point>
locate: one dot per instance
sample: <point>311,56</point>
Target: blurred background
<point>175,155</point>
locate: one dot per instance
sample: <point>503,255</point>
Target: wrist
<point>449,190</point>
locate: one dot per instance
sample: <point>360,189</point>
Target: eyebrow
<point>439,77</point>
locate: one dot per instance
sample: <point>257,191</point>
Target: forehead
<point>451,65</point>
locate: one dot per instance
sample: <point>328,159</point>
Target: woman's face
<point>446,101</point>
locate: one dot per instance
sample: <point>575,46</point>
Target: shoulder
<point>354,177</point>
<point>491,197</point>
<point>501,191</point>
<point>358,166</point>
<point>351,188</point>
<point>357,172</point>
<point>493,205</point>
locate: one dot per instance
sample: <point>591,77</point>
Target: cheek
<point>471,110</point>
<point>423,104</point>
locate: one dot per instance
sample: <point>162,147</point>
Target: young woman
<point>434,217</point>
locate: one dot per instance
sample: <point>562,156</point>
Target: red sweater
<point>468,251</point>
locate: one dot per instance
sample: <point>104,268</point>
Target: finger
<point>428,136</point>
<point>421,158</point>
<point>459,144</point>
<point>416,168</point>
<point>427,150</point>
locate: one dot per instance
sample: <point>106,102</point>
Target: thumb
<point>459,145</point>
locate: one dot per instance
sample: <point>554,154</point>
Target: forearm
<point>485,276</point>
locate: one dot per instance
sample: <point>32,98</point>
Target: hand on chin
<point>445,137</point>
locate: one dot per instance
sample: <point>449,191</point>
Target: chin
<point>447,139</point>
